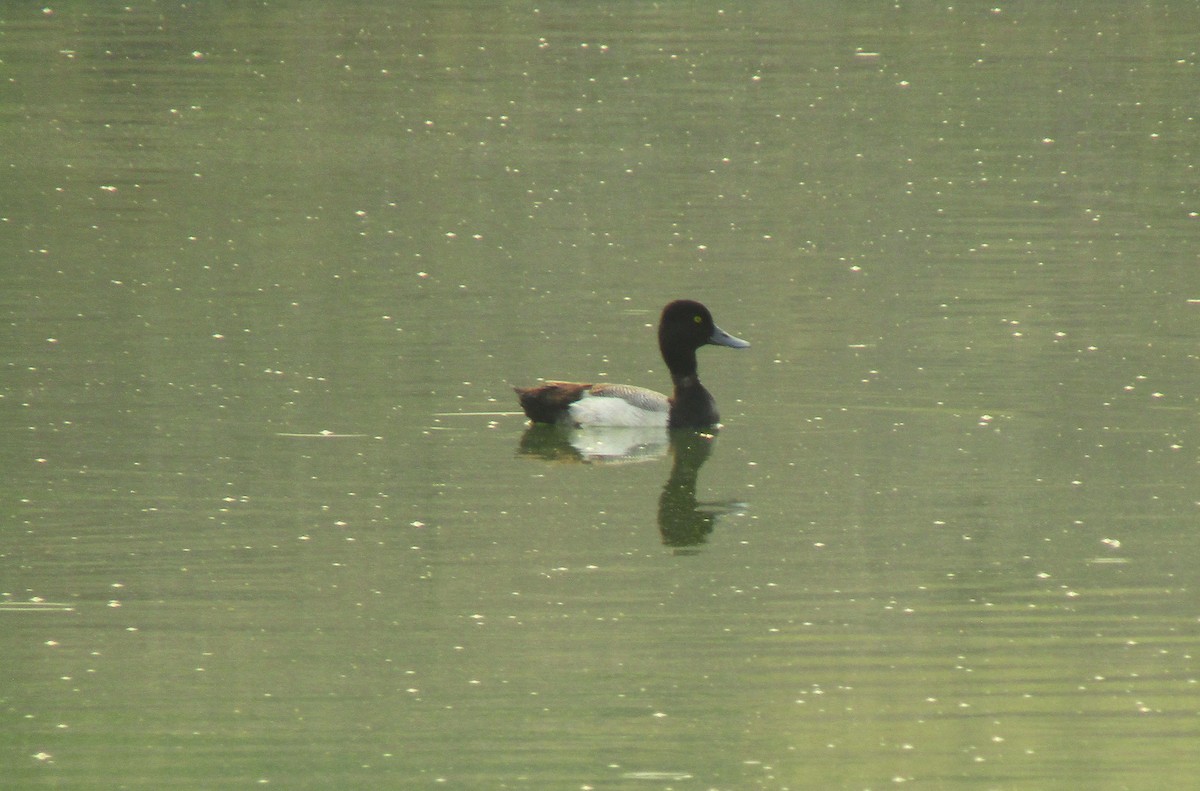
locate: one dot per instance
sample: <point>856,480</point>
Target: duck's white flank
<point>620,405</point>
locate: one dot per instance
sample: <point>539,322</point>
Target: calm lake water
<point>269,516</point>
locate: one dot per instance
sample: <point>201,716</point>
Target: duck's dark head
<point>684,327</point>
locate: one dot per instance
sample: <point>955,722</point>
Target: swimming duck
<point>684,327</point>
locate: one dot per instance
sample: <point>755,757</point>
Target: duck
<point>685,326</point>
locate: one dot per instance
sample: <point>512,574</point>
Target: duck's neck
<point>682,365</point>
<point>686,381</point>
<point>691,404</point>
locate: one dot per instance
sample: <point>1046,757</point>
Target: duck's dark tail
<point>549,402</point>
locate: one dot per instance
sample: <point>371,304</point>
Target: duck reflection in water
<point>683,521</point>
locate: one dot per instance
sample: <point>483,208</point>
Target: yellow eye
<point>698,319</point>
